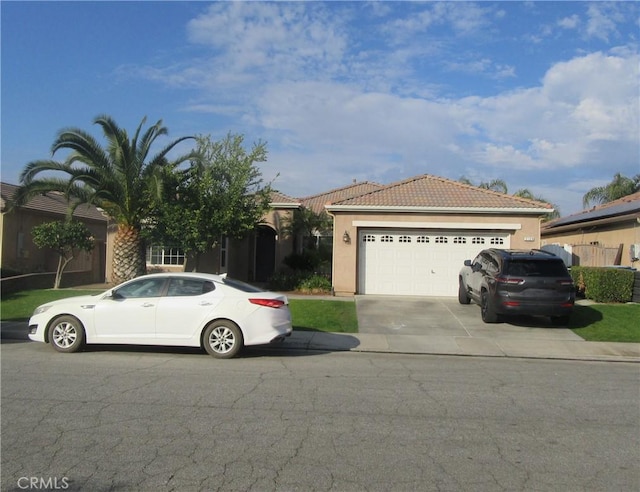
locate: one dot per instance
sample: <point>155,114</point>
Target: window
<point>422,239</point>
<point>148,287</point>
<point>368,238</point>
<point>386,239</point>
<point>459,240</point>
<point>189,287</point>
<point>404,239</point>
<point>477,240</point>
<point>159,255</point>
<point>441,240</point>
<point>497,240</point>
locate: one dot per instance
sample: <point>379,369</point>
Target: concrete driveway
<point>446,317</point>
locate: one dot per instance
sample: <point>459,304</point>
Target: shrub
<point>306,282</point>
<point>315,284</point>
<point>604,284</point>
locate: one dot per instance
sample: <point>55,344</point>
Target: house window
<point>159,255</point>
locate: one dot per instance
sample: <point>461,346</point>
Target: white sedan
<point>175,309</point>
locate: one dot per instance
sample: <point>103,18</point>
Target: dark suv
<point>507,281</point>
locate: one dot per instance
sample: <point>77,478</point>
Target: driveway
<point>446,317</point>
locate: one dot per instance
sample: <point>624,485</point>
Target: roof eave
<point>588,224</point>
<point>444,210</point>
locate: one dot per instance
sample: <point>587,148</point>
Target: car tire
<point>560,320</point>
<point>463,295</point>
<point>488,313</point>
<point>222,339</point>
<point>66,334</point>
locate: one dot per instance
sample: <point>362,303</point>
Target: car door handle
<point>205,303</point>
<point>148,304</point>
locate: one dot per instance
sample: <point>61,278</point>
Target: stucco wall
<point>524,234</point>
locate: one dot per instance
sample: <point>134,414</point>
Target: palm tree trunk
<point>128,254</point>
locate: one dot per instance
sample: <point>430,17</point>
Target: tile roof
<point>625,206</point>
<point>280,199</point>
<point>427,191</point>
<point>317,202</point>
<point>53,203</point>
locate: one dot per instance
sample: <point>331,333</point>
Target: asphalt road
<point>125,419</point>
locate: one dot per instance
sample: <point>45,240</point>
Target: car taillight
<point>565,282</point>
<point>272,303</point>
<point>509,280</point>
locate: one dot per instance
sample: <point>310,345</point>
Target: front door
<point>265,253</point>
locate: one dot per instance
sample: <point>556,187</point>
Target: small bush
<point>305,282</point>
<point>603,284</point>
<point>316,284</point>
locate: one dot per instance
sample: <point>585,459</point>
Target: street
<point>136,419</point>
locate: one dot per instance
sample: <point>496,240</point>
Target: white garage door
<point>418,262</point>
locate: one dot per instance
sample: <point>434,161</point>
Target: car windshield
<point>529,268</point>
<point>237,284</point>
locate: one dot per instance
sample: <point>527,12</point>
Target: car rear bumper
<point>508,306</point>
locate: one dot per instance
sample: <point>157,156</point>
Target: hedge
<point>604,284</point>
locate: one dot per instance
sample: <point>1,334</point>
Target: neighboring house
<point>412,237</point>
<point>19,254</point>
<point>607,234</point>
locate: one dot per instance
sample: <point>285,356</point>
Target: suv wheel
<point>463,295</point>
<point>488,313</point>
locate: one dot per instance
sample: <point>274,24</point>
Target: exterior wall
<point>610,236</point>
<point>525,234</point>
<point>20,253</point>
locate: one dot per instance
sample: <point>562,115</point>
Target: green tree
<point>66,239</point>
<point>620,186</point>
<point>494,185</point>
<point>221,193</point>
<point>122,178</point>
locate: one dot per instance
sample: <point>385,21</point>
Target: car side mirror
<point>115,296</point>
<point>467,263</point>
<point>476,267</point>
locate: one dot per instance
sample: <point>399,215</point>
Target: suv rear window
<point>528,268</point>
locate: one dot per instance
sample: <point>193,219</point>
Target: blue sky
<point>543,95</point>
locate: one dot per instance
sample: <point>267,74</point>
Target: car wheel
<point>223,339</point>
<point>66,334</point>
<point>488,313</point>
<point>560,320</point>
<point>463,295</point>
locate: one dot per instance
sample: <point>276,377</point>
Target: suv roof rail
<point>543,252</point>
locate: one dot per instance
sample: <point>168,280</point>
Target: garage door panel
<point>418,262</point>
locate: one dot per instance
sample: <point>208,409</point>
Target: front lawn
<point>324,315</point>
<point>607,322</point>
<point>20,306</point>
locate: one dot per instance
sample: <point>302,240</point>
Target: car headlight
<point>41,309</point>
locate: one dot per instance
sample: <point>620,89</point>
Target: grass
<point>323,315</point>
<point>309,315</point>
<point>607,322</point>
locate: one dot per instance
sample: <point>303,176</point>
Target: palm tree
<point>618,187</point>
<point>526,193</point>
<point>119,178</point>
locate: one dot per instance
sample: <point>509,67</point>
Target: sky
<point>542,95</point>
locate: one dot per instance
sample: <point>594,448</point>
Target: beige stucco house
<point>19,254</point>
<point>412,237</point>
<point>604,235</point>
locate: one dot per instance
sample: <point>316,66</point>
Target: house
<point>607,234</point>
<point>19,254</point>
<point>412,237</point>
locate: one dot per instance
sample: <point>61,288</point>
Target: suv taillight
<point>510,280</point>
<point>272,303</point>
<point>564,282</point>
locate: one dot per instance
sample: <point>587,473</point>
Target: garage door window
<point>459,240</point>
<point>442,240</point>
<point>423,239</point>
<point>497,240</point>
<point>368,238</point>
<point>477,240</point>
<point>386,239</point>
<point>404,239</point>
